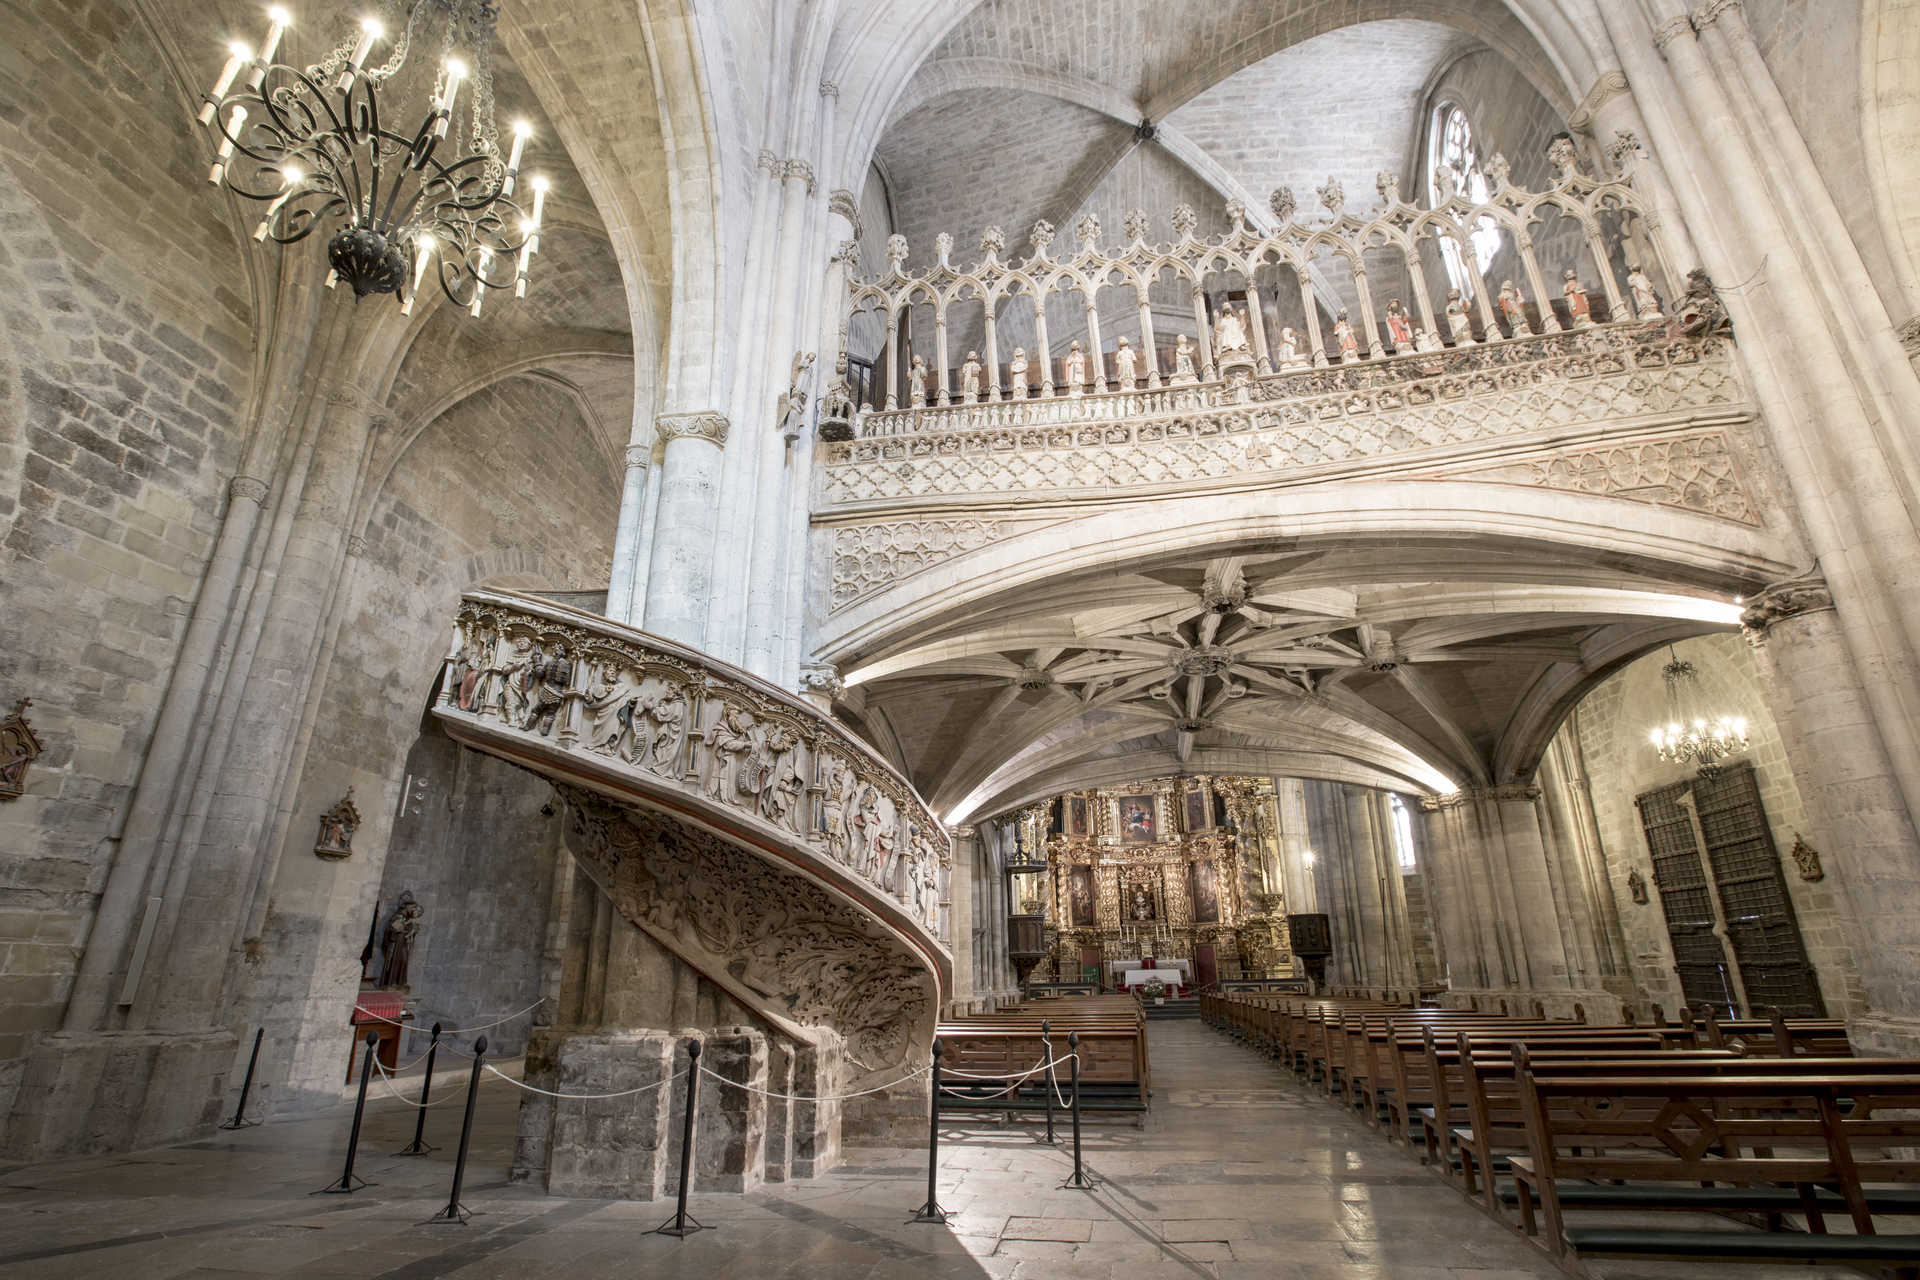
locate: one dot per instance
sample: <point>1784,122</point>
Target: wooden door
<point>1681,880</point>
<point>1206,969</point>
<point>1090,967</point>
<point>1760,922</point>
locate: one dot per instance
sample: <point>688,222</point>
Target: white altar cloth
<point>1140,977</point>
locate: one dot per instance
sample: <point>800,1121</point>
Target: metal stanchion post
<point>246,1086</point>
<point>419,1146</point>
<point>348,1184</point>
<point>455,1212</point>
<point>1046,1049</point>
<point>680,1224</point>
<point>1079,1181</point>
<point>931,1210</point>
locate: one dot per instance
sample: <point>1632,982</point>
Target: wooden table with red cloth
<point>380,1012</point>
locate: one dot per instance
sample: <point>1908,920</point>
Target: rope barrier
<point>1011,1088</point>
<point>386,1082</point>
<point>795,1097</point>
<point>589,1097</point>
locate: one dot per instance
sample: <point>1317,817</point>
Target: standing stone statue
<point>1578,309</point>
<point>1229,334</point>
<point>1427,340</point>
<point>396,944</point>
<point>917,383</point>
<point>1183,362</point>
<point>1290,357</point>
<point>1514,307</point>
<point>793,405</point>
<point>1123,364</point>
<point>1458,323</point>
<point>1646,303</point>
<point>1399,324</point>
<point>1017,374</point>
<point>1343,334</point>
<point>970,378</point>
<point>1076,369</point>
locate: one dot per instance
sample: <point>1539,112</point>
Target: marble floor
<point>1239,1172</point>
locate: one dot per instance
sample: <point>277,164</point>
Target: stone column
<point>1148,351</point>
<point>1523,871</point>
<point>1040,340</point>
<point>1257,327</point>
<point>680,577</point>
<point>628,581</point>
<point>1203,336</point>
<point>1852,797</point>
<point>1096,358</point>
<point>960,934</point>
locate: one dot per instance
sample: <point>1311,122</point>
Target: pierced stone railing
<point>611,713</point>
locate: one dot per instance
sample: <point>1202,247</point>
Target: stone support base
<point>629,1148</point>
<point>85,1092</point>
<point>1878,1035</point>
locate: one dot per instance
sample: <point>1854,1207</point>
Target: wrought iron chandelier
<point>1690,736</point>
<point>312,145</point>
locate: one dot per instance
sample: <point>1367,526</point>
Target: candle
<point>443,107</point>
<point>280,20</point>
<point>234,121</point>
<point>422,251</point>
<point>238,55</point>
<point>521,132</point>
<point>479,282</point>
<point>370,30</point>
<point>293,177</point>
<point>528,248</point>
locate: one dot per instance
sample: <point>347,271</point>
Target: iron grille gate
<point>1753,901</point>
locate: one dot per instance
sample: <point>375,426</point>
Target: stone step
<point>1187,1007</point>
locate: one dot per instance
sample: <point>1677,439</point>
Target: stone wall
<point>1610,730</point>
<point>125,362</point>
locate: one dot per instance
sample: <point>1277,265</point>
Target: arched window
<point>1402,833</point>
<point>1452,143</point>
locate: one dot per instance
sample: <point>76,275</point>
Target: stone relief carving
<point>1807,859</point>
<point>897,254</point>
<point>870,556</point>
<point>783,941</point>
<point>1184,221</point>
<point>337,826</point>
<point>1637,886</point>
<point>20,746</point>
<point>1695,472</point>
<point>1784,600</point>
<point>711,427</point>
<point>1333,196</point>
<point>678,721</point>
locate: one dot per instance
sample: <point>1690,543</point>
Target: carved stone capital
<point>821,677</point>
<point>1609,86</point>
<point>965,833</point>
<point>770,162</point>
<point>710,426</point>
<point>1507,792</point>
<point>356,545</point>
<point>802,170</point>
<point>254,491</point>
<point>847,205</point>
<point>1807,594</point>
<point>1439,804</point>
<point>1909,335</point>
<point>639,457</point>
<point>1708,14</point>
<point>1670,30</point>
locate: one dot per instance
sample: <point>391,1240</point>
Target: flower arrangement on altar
<point>1153,989</point>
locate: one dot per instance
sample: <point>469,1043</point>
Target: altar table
<point>1173,978</point>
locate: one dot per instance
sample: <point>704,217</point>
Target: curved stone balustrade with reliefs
<point>729,820</point>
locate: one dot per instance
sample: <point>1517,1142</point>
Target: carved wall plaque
<point>19,747</point>
<point>1807,858</point>
<point>1637,886</point>
<point>337,826</point>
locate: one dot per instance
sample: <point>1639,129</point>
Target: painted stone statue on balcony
<point>1578,310</point>
<point>1124,363</point>
<point>1459,326</point>
<point>1343,335</point>
<point>1646,303</point>
<point>970,378</point>
<point>1183,363</point>
<point>1428,340</point>
<point>1289,357</point>
<point>1514,307</point>
<point>1399,325</point>
<point>1017,374</point>
<point>1076,370</point>
<point>917,384</point>
<point>1231,351</point>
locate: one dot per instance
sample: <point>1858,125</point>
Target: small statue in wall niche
<point>1344,336</point>
<point>471,674</point>
<point>1700,313</point>
<point>1399,324</point>
<point>970,378</point>
<point>1427,340</point>
<point>1459,324</point>
<point>337,826</point>
<point>611,695</point>
<point>836,794</point>
<point>793,405</point>
<point>396,942</point>
<point>1637,886</point>
<point>1289,357</point>
<point>507,679</point>
<point>1183,362</point>
<point>1229,335</point>
<point>668,711</point>
<point>917,383</point>
<point>1513,305</point>
<point>1076,369</point>
<point>837,411</point>
<point>728,739</point>
<point>547,678</point>
<point>1446,183</point>
<point>1807,859</point>
<point>20,746</point>
<point>1578,308</point>
<point>1646,303</point>
<point>1124,364</point>
<point>1017,374</point>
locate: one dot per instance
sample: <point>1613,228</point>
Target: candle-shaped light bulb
<point>527,248</point>
<point>279,20</point>
<point>238,56</point>
<point>456,72</point>
<point>521,132</point>
<point>539,198</point>
<point>293,175</point>
<point>479,282</point>
<point>370,30</point>
<point>235,120</point>
<point>422,251</point>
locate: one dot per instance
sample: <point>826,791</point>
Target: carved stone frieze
<point>710,426</point>
<point>1779,600</point>
<point>1309,423</point>
<point>778,942</point>
<point>867,557</point>
<point>1695,472</point>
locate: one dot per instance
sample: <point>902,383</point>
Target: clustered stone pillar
<point>680,575</point>
<point>1852,796</point>
<point>960,931</point>
<point>1365,902</point>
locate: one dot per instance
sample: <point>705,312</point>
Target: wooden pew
<point>1701,1136</point>
<point>1115,1073</point>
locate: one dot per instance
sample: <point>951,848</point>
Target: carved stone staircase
<point>752,850</point>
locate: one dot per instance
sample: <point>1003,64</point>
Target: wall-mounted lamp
<point>1307,859</point>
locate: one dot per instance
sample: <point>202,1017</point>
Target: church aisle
<point>1238,1174</point>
